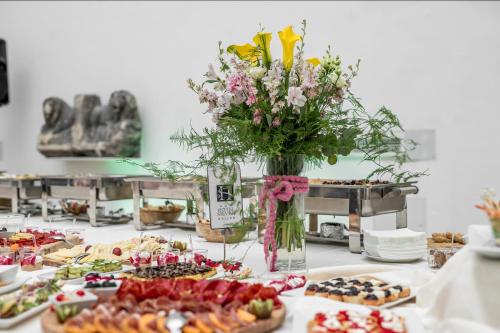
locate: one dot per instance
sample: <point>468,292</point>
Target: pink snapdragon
<point>238,82</point>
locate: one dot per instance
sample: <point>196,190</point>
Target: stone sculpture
<point>91,129</point>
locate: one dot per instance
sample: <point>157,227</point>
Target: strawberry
<point>117,251</point>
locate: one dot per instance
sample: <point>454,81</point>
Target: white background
<point>435,64</point>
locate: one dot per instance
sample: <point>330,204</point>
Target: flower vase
<point>495,228</point>
<point>284,191</point>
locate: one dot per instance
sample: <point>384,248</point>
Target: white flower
<point>257,73</point>
<point>333,77</point>
<point>224,101</point>
<point>295,97</point>
<point>211,75</point>
<point>341,83</point>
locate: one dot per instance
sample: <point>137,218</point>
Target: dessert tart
<point>172,271</point>
<point>346,321</point>
<point>358,290</point>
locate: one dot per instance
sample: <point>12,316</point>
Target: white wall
<point>435,64</point>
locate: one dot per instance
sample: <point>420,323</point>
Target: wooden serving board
<point>50,324</point>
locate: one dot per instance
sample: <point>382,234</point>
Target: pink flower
<point>251,99</point>
<point>276,122</point>
<point>257,116</point>
<point>295,97</point>
<point>238,82</point>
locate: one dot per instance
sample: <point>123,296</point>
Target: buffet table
<point>320,259</point>
<point>318,256</point>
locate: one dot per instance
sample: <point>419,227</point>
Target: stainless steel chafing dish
<point>356,202</point>
<point>19,188</point>
<point>93,188</point>
<point>191,190</point>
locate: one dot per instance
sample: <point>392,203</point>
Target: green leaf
<point>332,159</point>
<point>269,119</point>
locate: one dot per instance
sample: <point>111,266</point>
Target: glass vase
<point>289,230</point>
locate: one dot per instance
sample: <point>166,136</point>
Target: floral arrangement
<point>266,108</point>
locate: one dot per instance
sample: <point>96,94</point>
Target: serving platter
<point>14,285</point>
<point>50,324</point>
<point>306,307</point>
<point>81,280</point>
<point>9,322</point>
<point>393,260</point>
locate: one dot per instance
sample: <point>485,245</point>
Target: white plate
<point>299,292</point>
<point>14,285</point>
<point>304,309</point>
<point>9,322</point>
<point>409,259</point>
<point>488,249</point>
<point>80,280</point>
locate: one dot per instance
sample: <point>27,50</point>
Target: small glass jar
<point>8,257</point>
<point>198,256</point>
<point>75,235</point>
<point>31,260</point>
<point>168,257</point>
<point>141,258</point>
<point>437,256</point>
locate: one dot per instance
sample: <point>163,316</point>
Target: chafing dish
<point>16,189</point>
<point>356,201</point>
<point>192,190</point>
<point>92,188</point>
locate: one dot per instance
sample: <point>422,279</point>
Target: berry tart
<point>359,290</point>
<point>346,321</point>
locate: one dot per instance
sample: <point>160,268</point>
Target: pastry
<point>375,298</point>
<point>346,321</point>
<point>172,271</point>
<point>359,290</point>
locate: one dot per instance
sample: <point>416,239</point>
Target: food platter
<point>50,324</point>
<point>18,283</point>
<point>9,322</point>
<point>306,307</point>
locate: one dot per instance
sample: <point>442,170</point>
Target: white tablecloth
<point>469,279</point>
<point>464,296</point>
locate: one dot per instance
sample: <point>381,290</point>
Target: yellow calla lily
<point>245,52</point>
<point>263,41</point>
<point>288,39</point>
<point>314,61</point>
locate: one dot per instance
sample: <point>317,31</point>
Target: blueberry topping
<point>368,284</point>
<point>352,293</point>
<point>335,292</point>
<point>313,287</point>
<point>387,293</point>
<point>398,288</point>
<point>368,290</point>
<point>371,297</point>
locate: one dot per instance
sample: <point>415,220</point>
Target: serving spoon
<point>175,321</point>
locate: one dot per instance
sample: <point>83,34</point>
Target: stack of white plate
<point>395,245</point>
